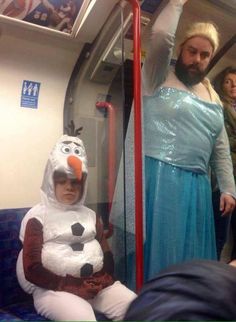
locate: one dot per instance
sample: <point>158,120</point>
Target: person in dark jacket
<point>192,291</point>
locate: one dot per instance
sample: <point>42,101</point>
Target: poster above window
<point>59,15</point>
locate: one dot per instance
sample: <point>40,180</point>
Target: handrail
<point>111,156</point>
<point>138,145</point>
<point>111,148</point>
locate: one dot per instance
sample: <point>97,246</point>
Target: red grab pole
<point>138,145</point>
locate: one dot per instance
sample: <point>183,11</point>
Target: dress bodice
<point>180,128</point>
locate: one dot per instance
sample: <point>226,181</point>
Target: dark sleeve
<point>33,268</point>
<point>230,125</point>
<point>108,266</point>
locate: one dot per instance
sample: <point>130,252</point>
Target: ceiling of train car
<point>79,27</point>
<point>56,15</point>
<point>150,6</point>
<point>195,10</point>
<point>221,12</point>
<point>71,20</point>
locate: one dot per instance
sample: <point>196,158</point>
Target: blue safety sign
<point>30,94</point>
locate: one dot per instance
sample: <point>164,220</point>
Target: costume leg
<point>113,301</point>
<point>62,306</point>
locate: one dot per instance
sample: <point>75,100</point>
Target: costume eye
<point>77,151</point>
<point>65,149</point>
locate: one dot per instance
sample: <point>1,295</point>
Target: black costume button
<point>86,270</point>
<point>77,229</point>
<point>77,247</point>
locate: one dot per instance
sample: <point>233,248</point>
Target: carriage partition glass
<point>96,100</point>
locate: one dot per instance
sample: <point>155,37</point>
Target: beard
<point>188,74</point>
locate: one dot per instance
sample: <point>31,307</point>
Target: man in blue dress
<point>184,135</point>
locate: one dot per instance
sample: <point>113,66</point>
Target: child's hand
<point>104,279</point>
<point>91,289</point>
<point>87,288</point>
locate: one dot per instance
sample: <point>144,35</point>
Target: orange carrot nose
<point>76,164</point>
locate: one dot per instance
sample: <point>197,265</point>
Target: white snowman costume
<point>65,262</point>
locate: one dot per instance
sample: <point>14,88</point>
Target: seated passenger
<point>192,291</point>
<point>66,263</point>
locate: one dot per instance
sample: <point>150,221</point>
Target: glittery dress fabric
<point>180,128</point>
<point>179,132</point>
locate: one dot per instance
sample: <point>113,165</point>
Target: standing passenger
<point>184,133</point>
<point>225,85</point>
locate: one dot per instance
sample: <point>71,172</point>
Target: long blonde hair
<point>203,29</point>
<point>213,94</point>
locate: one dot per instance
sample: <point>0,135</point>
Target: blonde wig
<point>203,29</point>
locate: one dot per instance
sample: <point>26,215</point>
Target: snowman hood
<point>69,157</point>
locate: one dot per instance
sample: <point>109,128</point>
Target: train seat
<point>15,304</point>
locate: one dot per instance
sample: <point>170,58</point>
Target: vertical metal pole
<point>138,145</point>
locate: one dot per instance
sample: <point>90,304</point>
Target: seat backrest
<point>10,245</point>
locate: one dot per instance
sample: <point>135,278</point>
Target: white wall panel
<point>27,135</point>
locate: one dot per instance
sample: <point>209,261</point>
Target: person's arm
<point>37,274</point>
<point>230,125</point>
<point>221,163</point>
<point>160,46</point>
<point>232,142</point>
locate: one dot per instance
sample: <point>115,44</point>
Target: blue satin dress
<point>180,131</point>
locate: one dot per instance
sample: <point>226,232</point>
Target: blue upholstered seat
<point>15,304</point>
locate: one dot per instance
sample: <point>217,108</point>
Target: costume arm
<point>108,265</point>
<point>160,47</point>
<point>221,163</point>
<point>35,273</point>
<point>32,248</point>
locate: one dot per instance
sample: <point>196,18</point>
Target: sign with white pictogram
<point>30,94</point>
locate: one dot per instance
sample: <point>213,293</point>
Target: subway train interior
<point>68,63</point>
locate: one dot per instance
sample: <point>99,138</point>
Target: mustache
<point>194,67</point>
<point>189,74</point>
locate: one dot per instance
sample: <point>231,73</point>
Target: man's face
<point>193,60</point>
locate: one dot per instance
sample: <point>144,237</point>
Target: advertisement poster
<point>54,14</point>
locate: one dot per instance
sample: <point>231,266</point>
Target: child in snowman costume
<point>66,263</point>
